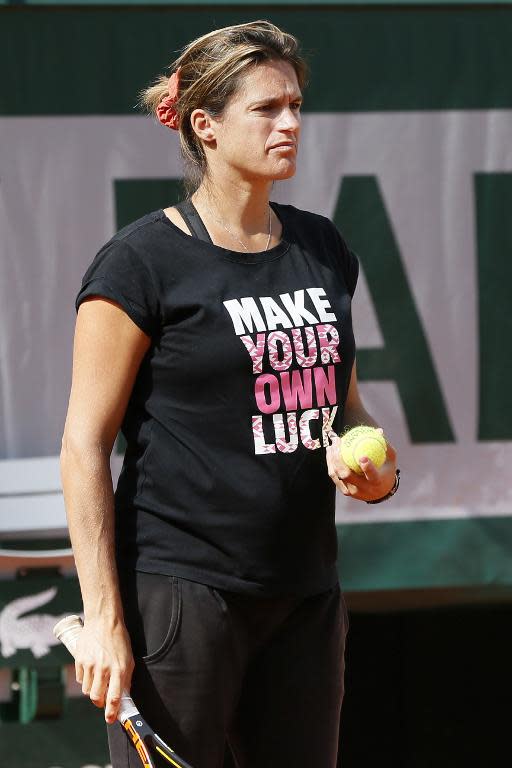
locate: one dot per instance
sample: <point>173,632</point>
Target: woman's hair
<point>211,70</point>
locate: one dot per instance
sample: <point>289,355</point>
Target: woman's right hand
<point>104,663</point>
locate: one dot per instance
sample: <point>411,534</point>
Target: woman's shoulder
<point>320,231</point>
<point>145,241</point>
<point>299,217</point>
<point>121,271</point>
<point>139,232</point>
<point>134,250</point>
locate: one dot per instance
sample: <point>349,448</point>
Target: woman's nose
<point>289,119</point>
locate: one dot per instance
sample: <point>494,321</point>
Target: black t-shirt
<point>224,478</point>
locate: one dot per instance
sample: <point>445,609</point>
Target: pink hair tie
<point>166,110</point>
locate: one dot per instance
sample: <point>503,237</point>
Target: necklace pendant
<point>228,230</point>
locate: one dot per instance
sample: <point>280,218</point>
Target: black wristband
<point>391,492</point>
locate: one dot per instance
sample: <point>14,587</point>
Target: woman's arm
<point>108,350</point>
<point>374,483</point>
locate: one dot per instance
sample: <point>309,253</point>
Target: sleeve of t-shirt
<point>118,273</point>
<point>349,261</point>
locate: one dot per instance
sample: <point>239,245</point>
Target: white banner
<point>57,208</point>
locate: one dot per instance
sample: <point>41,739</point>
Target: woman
<point>217,334</point>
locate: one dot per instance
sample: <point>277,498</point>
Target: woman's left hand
<point>372,484</point>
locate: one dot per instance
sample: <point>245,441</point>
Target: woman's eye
<point>296,105</point>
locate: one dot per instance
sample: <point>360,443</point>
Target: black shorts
<point>214,669</point>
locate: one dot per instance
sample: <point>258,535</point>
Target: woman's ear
<point>203,125</point>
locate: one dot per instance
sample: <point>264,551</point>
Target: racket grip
<point>67,631</point>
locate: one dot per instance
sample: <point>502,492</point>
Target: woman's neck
<point>241,206</point>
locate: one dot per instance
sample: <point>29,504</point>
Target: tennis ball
<point>363,441</point>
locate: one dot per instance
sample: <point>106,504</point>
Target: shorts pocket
<point>219,600</point>
<point>166,614</point>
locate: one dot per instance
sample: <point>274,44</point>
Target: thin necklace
<point>223,224</point>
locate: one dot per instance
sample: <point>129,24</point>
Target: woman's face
<point>258,134</point>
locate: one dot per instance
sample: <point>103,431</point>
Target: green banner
<point>29,609</point>
<point>77,739</point>
<point>94,61</point>
<point>471,555</point>
<point>249,4</point>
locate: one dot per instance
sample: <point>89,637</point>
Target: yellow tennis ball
<point>363,441</point>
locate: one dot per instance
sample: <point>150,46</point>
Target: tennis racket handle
<point>67,631</point>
